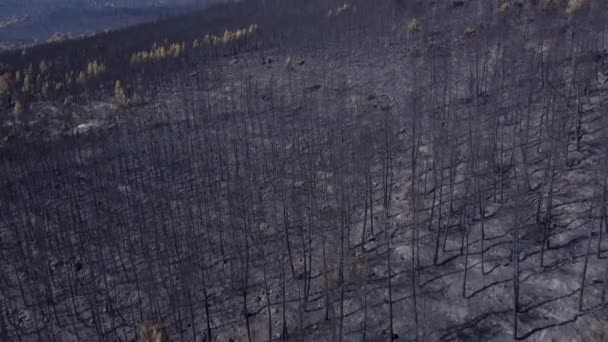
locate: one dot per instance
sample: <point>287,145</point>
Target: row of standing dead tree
<point>277,210</point>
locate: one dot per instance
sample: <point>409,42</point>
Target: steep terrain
<point>319,171</point>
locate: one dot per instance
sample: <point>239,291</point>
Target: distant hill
<point>27,22</point>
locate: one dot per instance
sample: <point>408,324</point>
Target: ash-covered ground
<point>443,179</point>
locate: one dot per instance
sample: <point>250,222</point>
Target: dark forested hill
<point>26,22</point>
<point>319,170</point>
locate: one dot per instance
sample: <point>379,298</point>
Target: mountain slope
<point>393,170</point>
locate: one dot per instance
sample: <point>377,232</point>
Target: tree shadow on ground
<point>439,276</point>
<point>549,326</point>
<point>547,301</point>
<point>471,330</point>
<point>482,289</point>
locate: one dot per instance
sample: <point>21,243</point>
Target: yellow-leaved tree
<point>575,6</point>
<point>152,332</point>
<point>5,84</point>
<point>18,108</point>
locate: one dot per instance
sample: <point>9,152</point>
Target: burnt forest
<point>310,170</point>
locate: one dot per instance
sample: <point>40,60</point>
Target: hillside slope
<point>318,171</point>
